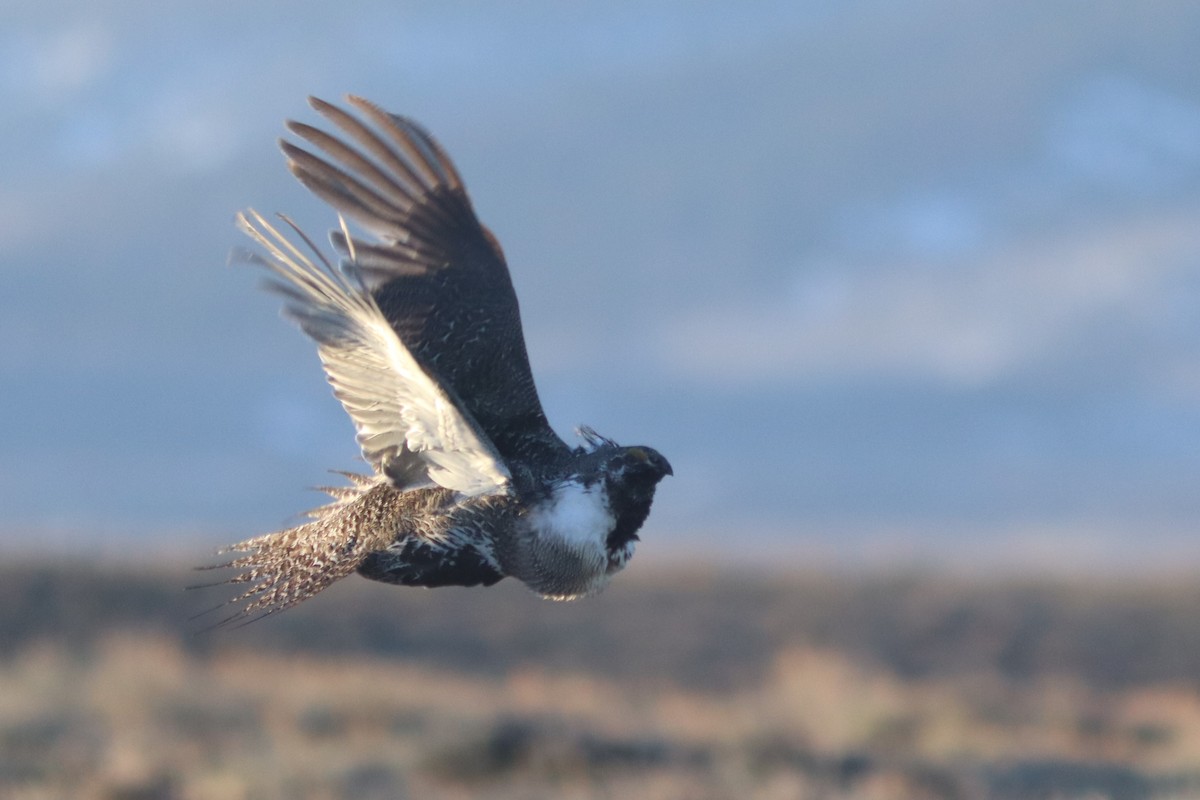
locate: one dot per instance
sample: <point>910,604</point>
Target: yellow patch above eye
<point>639,454</point>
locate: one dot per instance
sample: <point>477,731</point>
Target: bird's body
<point>419,333</point>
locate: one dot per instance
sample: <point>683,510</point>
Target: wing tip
<point>361,103</point>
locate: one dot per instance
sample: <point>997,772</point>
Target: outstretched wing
<point>410,424</point>
<point>437,275</point>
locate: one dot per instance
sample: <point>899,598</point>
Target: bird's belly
<point>560,571</point>
<point>561,550</point>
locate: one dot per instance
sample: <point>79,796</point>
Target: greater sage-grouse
<point>420,336</point>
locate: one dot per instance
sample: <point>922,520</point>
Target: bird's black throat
<point>631,513</point>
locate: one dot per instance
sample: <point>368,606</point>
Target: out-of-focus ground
<point>673,684</point>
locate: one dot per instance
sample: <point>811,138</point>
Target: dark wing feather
<point>436,273</point>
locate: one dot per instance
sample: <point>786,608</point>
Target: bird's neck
<point>628,521</point>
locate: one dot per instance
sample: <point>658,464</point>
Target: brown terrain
<point>686,684</point>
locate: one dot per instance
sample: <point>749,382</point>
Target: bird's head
<point>630,474</point>
<point>637,467</point>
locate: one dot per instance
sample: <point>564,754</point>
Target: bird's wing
<point>438,276</point>
<point>410,425</point>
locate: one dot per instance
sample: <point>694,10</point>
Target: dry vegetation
<point>668,686</point>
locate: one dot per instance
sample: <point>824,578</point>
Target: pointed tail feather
<point>292,565</point>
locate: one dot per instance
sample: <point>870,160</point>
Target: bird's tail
<point>291,565</point>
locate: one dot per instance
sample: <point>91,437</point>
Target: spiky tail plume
<point>288,566</point>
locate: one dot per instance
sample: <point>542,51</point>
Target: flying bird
<point>420,336</point>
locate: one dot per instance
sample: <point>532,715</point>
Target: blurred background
<point>901,289</point>
<point>884,280</point>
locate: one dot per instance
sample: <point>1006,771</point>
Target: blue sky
<point>886,282</point>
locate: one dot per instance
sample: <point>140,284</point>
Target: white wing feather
<point>402,415</point>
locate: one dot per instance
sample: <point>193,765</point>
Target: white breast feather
<point>578,515</point>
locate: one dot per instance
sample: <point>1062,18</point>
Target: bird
<point>418,329</point>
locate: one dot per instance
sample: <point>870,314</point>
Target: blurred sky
<point>885,281</point>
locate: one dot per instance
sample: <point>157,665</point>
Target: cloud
<point>1116,130</point>
<point>967,322</point>
<point>25,218</point>
<point>193,132</point>
<point>53,66</point>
